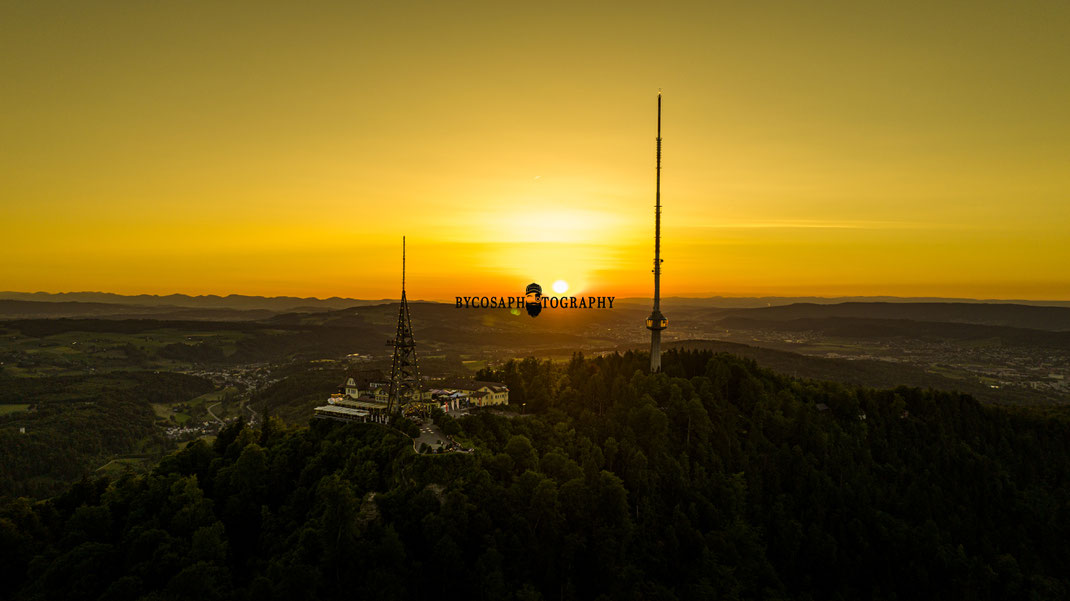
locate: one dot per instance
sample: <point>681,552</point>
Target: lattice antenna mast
<point>404,372</point>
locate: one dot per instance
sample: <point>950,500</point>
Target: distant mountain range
<point>754,312</point>
<point>283,304</point>
<point>19,309</point>
<point>277,304</point>
<point>749,302</point>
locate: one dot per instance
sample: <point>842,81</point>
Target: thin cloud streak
<point>827,225</point>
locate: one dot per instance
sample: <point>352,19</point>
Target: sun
<point>560,286</point>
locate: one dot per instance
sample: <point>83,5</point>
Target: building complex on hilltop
<point>365,396</point>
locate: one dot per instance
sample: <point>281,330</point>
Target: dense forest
<point>713,480</point>
<point>78,422</point>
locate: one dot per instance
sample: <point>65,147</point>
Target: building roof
<point>469,385</point>
<point>362,402</point>
<point>493,386</point>
<point>364,378</point>
<point>342,412</point>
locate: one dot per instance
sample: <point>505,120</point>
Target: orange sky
<point>839,148</point>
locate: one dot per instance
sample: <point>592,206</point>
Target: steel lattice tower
<point>404,373</point>
<point>657,322</point>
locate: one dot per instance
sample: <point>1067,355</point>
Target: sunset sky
<point>283,148</point>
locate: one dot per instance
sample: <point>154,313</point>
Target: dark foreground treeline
<point>715,480</point>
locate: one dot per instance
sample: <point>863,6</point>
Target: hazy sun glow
<point>560,286</point>
<point>159,148</point>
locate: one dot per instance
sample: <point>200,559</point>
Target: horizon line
<point>691,296</point>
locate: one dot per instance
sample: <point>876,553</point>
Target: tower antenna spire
<point>657,322</point>
<point>404,393</point>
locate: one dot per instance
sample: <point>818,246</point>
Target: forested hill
<point>995,314</point>
<point>864,372</point>
<point>714,480</point>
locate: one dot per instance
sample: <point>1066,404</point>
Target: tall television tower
<point>657,322</point>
